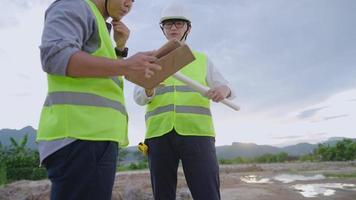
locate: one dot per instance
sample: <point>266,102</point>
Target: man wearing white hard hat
<point>179,123</point>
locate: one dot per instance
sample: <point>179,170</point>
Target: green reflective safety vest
<point>86,108</point>
<point>178,106</point>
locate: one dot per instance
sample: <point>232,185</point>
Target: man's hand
<point>150,92</point>
<point>121,34</point>
<point>218,93</point>
<point>141,63</point>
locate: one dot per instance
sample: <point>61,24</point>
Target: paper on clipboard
<point>172,56</point>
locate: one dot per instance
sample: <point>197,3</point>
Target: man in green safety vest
<point>84,120</point>
<point>179,122</point>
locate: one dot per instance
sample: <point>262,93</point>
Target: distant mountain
<point>247,150</point>
<point>299,149</point>
<point>250,150</point>
<point>6,134</point>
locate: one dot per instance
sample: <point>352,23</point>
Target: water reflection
<point>254,179</point>
<point>325,189</point>
<point>288,178</point>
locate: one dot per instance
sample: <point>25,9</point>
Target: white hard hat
<point>175,10</point>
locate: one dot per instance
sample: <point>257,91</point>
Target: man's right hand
<point>150,92</point>
<point>140,63</point>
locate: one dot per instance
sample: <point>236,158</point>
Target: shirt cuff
<point>232,94</point>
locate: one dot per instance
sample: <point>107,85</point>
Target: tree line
<point>18,162</point>
<point>344,150</point>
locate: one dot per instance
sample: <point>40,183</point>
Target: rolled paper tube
<point>202,89</point>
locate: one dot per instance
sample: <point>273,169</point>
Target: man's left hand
<point>218,93</point>
<point>121,34</point>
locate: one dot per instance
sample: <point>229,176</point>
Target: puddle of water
<point>254,179</point>
<point>326,189</point>
<point>288,178</point>
<point>313,190</point>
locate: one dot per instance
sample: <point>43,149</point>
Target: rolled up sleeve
<point>68,25</point>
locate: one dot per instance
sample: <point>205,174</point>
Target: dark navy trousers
<point>83,170</point>
<point>199,162</point>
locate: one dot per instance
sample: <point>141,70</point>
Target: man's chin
<point>174,38</point>
<point>117,18</point>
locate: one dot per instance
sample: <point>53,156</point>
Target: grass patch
<point>133,166</point>
<point>340,175</point>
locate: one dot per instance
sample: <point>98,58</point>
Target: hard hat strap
<point>185,35</point>
<point>162,30</point>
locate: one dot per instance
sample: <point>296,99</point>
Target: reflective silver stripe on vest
<point>179,88</point>
<point>179,109</point>
<point>159,110</point>
<point>193,109</point>
<point>118,82</point>
<point>163,90</point>
<point>85,99</point>
<point>184,88</point>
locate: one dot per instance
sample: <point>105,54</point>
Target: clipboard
<point>172,57</point>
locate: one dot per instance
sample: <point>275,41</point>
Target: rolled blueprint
<point>202,89</point>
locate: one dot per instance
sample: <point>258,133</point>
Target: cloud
<point>27,4</point>
<point>335,117</point>
<point>288,137</point>
<point>7,22</point>
<point>9,17</point>
<point>309,112</point>
<point>320,134</point>
<point>301,136</point>
<point>21,94</point>
<point>335,106</point>
<point>23,75</point>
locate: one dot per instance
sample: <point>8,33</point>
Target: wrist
<point>120,47</point>
<point>120,67</point>
<point>121,51</point>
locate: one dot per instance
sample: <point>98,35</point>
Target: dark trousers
<point>199,162</point>
<point>83,170</point>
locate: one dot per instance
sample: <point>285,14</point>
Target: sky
<point>292,65</point>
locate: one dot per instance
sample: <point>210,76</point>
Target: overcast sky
<point>291,63</point>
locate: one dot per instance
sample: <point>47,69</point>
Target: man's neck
<point>100,4</point>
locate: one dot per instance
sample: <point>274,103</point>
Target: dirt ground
<point>136,185</point>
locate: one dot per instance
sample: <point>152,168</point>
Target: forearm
<point>82,64</point>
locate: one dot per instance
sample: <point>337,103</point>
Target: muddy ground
<point>261,183</point>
